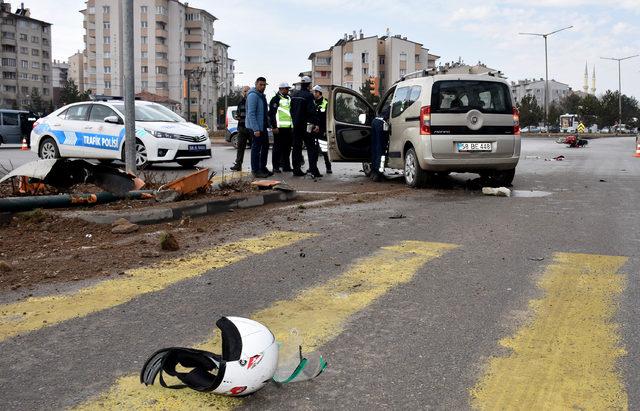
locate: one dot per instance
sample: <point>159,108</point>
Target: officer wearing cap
<point>303,113</point>
<point>282,128</point>
<point>320,131</point>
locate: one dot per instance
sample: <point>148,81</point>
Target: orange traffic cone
<point>637,154</point>
<point>24,145</point>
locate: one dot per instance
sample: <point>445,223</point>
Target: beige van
<point>439,124</point>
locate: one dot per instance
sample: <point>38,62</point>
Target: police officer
<point>303,112</point>
<point>379,143</point>
<point>320,131</point>
<point>282,128</point>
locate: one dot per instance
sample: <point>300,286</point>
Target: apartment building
<point>356,58</point>
<point>59,76</point>
<point>536,88</point>
<point>172,41</point>
<point>76,70</point>
<point>25,58</point>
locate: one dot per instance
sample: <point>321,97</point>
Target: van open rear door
<point>349,126</point>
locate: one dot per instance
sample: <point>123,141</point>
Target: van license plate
<point>474,146</point>
<point>197,147</point>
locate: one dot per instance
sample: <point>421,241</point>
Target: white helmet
<point>248,361</point>
<point>305,79</point>
<point>317,88</point>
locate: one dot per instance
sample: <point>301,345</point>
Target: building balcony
<point>162,33</point>
<point>193,52</point>
<point>193,24</point>
<point>193,38</point>
<point>162,17</point>
<point>162,77</point>
<point>162,48</point>
<point>322,67</point>
<point>5,40</point>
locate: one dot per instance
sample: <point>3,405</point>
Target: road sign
<point>581,128</point>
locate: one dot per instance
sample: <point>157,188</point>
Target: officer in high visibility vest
<point>282,128</point>
<point>320,131</point>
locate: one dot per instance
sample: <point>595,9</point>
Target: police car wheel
<point>234,140</point>
<point>141,154</point>
<point>48,149</point>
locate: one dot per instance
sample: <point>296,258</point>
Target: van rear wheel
<point>414,175</point>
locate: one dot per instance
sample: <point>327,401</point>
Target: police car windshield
<point>152,113</point>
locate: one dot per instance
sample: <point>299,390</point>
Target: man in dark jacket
<point>320,131</point>
<point>243,135</point>
<point>303,112</point>
<point>257,122</point>
<point>282,127</point>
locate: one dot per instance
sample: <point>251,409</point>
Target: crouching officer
<point>320,131</point>
<point>379,144</point>
<point>282,127</point>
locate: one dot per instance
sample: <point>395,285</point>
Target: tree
<point>36,104</point>
<point>610,109</point>
<point>233,99</point>
<point>531,113</point>
<point>570,104</point>
<point>365,91</point>
<point>589,110</point>
<point>554,113</point>
<point>69,93</point>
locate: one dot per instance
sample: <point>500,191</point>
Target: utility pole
<point>129,91</point>
<point>619,85</point>
<point>195,74</point>
<point>546,68</point>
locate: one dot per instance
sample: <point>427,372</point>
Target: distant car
<point>231,134</point>
<point>554,129</point>
<point>95,130</point>
<point>621,129</point>
<point>605,130</point>
<point>535,129</point>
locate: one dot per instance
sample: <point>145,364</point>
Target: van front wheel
<point>414,175</point>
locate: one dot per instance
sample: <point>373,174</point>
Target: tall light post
<point>619,85</point>
<point>546,67</point>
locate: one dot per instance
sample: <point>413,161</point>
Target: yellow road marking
<point>38,312</point>
<point>565,358</point>
<point>319,314</point>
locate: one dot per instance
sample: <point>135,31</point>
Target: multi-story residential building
<point>536,88</point>
<point>76,70</point>
<point>383,60</point>
<point>26,58</point>
<point>59,76</point>
<point>172,41</point>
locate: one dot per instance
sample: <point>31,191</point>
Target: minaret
<point>585,86</point>
<point>593,81</point>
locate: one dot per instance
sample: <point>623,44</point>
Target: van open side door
<point>349,126</point>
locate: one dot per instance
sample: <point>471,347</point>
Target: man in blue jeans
<point>257,123</point>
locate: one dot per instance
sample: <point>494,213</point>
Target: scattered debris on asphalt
<point>168,242</point>
<point>397,215</point>
<point>5,266</point>
<point>536,258</point>
<point>198,180</point>
<point>559,158</point>
<point>499,192</point>
<point>602,180</point>
<point>125,228</point>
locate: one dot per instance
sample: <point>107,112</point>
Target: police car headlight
<point>162,134</point>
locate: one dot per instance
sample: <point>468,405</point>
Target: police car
<point>95,130</point>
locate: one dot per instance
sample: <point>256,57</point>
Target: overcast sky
<point>275,38</point>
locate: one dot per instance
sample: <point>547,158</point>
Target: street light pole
<point>546,66</point>
<point>619,85</point>
<point>129,91</point>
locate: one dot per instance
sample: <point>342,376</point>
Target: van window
<point>404,98</point>
<point>349,108</point>
<point>78,112</point>
<point>460,96</point>
<point>9,119</point>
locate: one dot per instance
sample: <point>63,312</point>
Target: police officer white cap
<point>284,85</point>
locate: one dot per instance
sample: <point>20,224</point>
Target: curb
<point>194,209</point>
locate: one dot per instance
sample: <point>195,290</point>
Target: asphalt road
<point>464,301</point>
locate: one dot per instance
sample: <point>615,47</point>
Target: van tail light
<point>425,120</point>
<point>516,121</point>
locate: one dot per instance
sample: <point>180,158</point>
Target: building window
<point>107,84</point>
<point>161,70</point>
<point>24,90</point>
<point>24,50</point>
<point>8,35</point>
<point>45,54</point>
<point>23,37</point>
<point>365,58</point>
<point>35,65</point>
<point>160,40</point>
<point>107,40</point>
<point>45,66</point>
<point>9,75</point>
<point>381,75</point>
<point>144,54</point>
<point>417,58</point>
<point>144,24</point>
<point>143,40</point>
<point>8,62</point>
<point>45,41</point>
<point>403,72</point>
<point>143,9</point>
<point>10,89</point>
<point>162,85</point>
<point>381,60</point>
<point>24,76</point>
<point>348,57</point>
<point>193,17</point>
<point>106,9</point>
<point>145,85</point>
<point>107,69</point>
<point>161,10</point>
<point>35,39</point>
<point>144,69</point>
<point>91,10</point>
<point>45,79</point>
<point>106,55</point>
<point>35,77</point>
<point>24,64</point>
<point>45,91</point>
<point>365,71</point>
<point>106,25</point>
<point>35,52</point>
<point>162,56</point>
<point>403,56</point>
<point>323,61</point>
